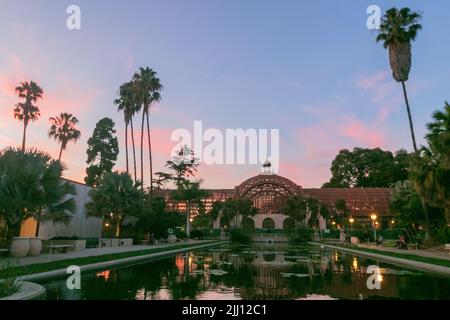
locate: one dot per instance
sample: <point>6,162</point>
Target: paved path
<point>44,258</point>
<point>420,252</point>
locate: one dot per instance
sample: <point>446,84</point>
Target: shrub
<point>300,236</point>
<point>239,236</point>
<point>180,234</point>
<point>443,234</point>
<point>196,233</point>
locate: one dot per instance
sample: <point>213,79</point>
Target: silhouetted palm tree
<point>63,130</point>
<point>397,30</point>
<point>127,104</point>
<point>27,111</point>
<point>148,88</point>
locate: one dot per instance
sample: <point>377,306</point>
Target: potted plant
<point>20,247</point>
<point>35,246</point>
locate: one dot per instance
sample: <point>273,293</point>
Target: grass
<point>62,264</point>
<point>413,257</point>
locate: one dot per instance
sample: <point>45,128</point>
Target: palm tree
<point>115,198</point>
<point>31,187</point>
<point>27,111</point>
<point>149,87</point>
<point>63,130</point>
<point>430,172</point>
<point>126,103</point>
<point>397,30</point>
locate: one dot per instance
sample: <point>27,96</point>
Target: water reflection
<point>255,272</point>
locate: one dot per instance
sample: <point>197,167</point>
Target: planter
<point>104,242</point>
<point>20,247</point>
<point>28,291</point>
<point>126,242</point>
<point>35,246</point>
<point>115,242</point>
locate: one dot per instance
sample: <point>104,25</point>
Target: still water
<point>254,272</point>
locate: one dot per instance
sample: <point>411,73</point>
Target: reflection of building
<point>269,191</point>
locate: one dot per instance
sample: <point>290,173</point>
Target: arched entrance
<point>268,223</point>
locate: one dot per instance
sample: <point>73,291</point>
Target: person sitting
<point>379,241</point>
<point>401,243</point>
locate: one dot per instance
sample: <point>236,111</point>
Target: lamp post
<point>374,218</point>
<point>351,220</point>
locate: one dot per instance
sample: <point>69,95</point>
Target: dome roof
<point>283,184</point>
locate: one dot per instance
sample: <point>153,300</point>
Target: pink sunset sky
<point>323,97</point>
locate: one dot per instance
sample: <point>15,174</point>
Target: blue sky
<point>309,68</point>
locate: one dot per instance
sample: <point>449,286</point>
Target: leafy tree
<point>102,152</point>
<point>430,172</point>
<point>27,111</point>
<point>191,194</point>
<point>398,29</point>
<point>365,168</point>
<point>115,198</point>
<point>148,90</point>
<point>63,130</point>
<point>304,211</point>
<point>181,167</point>
<point>31,187</point>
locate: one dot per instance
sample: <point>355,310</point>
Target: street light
<point>374,217</point>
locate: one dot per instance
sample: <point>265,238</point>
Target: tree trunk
<point>411,127</point>
<point>188,219</point>
<point>134,149</point>
<point>60,152</point>
<point>25,124</point>
<point>126,147</point>
<point>142,149</point>
<point>150,156</point>
<point>447,215</point>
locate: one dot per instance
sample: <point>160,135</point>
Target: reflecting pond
<point>265,271</point>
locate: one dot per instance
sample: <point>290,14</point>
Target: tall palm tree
<point>397,30</point>
<point>27,111</point>
<point>63,130</point>
<point>126,103</point>
<point>148,88</point>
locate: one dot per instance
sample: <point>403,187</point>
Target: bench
<point>447,247</point>
<point>62,247</point>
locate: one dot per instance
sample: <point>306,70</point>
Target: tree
<point>102,151</point>
<point>430,171</point>
<point>148,88</point>
<point>364,168</point>
<point>27,111</point>
<point>182,166</point>
<point>398,29</point>
<point>340,212</point>
<point>63,130</point>
<point>127,104</point>
<point>31,187</point>
<point>115,198</point>
<point>304,211</point>
<point>191,194</point>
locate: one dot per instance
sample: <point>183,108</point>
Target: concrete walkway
<point>428,253</point>
<point>423,266</point>
<point>44,258</point>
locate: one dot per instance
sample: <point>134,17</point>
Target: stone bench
<point>63,248</point>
